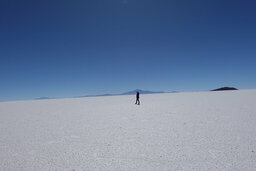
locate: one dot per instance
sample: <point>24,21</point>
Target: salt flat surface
<point>180,131</point>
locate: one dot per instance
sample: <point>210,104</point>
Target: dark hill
<point>225,88</point>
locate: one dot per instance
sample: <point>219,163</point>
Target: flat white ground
<point>180,131</point>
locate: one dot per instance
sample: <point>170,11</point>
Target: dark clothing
<point>137,98</point>
<point>137,95</point>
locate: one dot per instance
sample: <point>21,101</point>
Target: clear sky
<point>64,48</point>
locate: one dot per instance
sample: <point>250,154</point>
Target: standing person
<point>137,98</point>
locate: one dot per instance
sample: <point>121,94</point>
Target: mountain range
<point>135,91</point>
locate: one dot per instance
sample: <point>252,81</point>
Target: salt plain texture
<point>180,131</point>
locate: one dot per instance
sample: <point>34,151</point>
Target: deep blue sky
<point>64,48</point>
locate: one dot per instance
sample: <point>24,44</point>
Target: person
<point>137,98</point>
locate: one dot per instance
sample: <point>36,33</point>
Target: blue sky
<point>64,48</point>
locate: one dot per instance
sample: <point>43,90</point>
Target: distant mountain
<point>43,98</point>
<point>173,92</point>
<point>141,92</point>
<point>97,95</point>
<point>225,88</point>
<point>126,93</point>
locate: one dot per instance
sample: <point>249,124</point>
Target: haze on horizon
<point>72,48</point>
